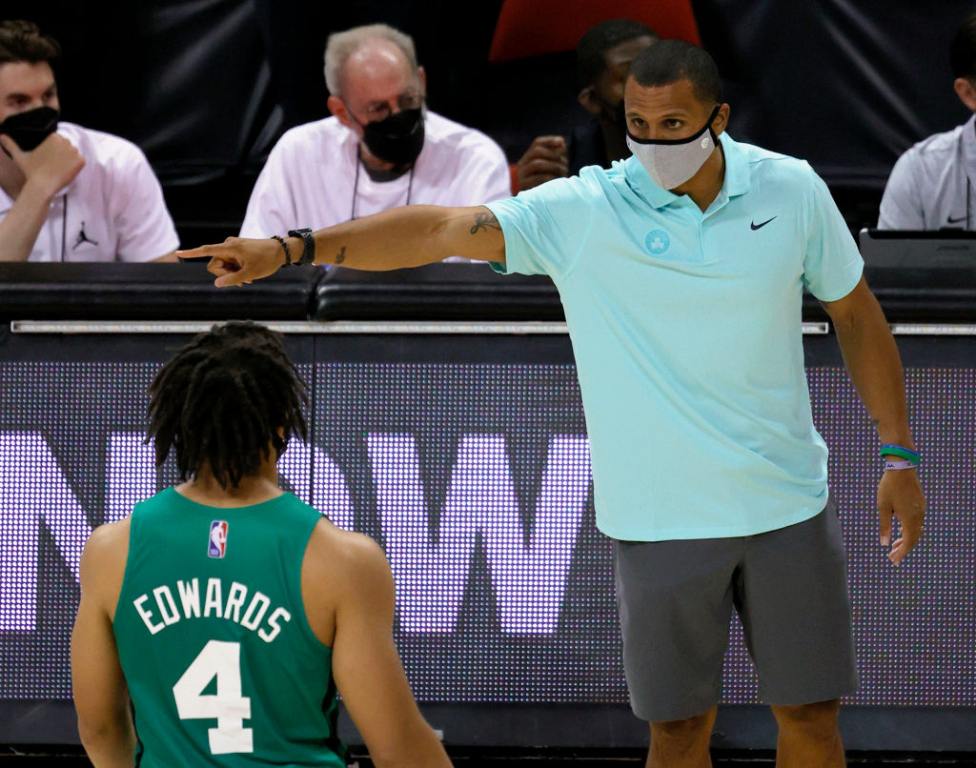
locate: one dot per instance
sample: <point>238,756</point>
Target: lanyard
<point>64,226</point>
<point>355,187</point>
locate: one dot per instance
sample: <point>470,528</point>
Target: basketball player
<point>218,621</point>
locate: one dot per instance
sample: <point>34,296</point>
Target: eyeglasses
<point>380,110</point>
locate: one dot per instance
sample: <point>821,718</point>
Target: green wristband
<point>890,449</point>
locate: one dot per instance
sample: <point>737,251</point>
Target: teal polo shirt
<point>687,335</point>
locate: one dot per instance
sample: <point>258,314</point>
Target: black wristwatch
<point>308,252</point>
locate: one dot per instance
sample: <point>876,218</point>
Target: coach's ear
<point>721,121</point>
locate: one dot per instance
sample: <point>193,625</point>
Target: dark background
<point>207,86</point>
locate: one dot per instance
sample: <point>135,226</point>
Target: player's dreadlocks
<point>225,400</point>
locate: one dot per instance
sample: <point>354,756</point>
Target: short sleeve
<point>485,177</point>
<point>545,228</point>
<point>271,207</point>
<point>901,205</point>
<point>145,228</point>
<point>832,264</point>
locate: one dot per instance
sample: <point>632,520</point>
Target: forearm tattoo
<point>341,256</point>
<point>485,221</point>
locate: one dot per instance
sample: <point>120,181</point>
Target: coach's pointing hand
<point>239,261</point>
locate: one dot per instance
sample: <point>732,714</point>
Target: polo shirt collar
<point>736,180</point>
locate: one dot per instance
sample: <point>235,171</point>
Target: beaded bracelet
<point>284,246</point>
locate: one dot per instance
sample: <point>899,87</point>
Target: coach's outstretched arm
<point>403,237</point>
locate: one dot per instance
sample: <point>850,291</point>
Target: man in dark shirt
<point>603,58</point>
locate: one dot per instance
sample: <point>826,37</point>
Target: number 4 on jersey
<point>223,661</point>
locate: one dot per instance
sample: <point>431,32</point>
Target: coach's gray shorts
<point>789,587</point>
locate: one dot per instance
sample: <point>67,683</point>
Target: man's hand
<point>51,166</point>
<point>872,358</point>
<point>47,169</point>
<point>900,494</point>
<point>545,159</point>
<point>240,261</point>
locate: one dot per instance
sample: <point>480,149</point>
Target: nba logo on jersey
<point>218,538</point>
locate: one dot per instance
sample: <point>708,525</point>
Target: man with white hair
<point>381,148</point>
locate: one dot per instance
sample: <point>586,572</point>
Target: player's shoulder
<point>348,552</point>
<point>103,560</point>
<point>352,565</point>
<point>107,538</point>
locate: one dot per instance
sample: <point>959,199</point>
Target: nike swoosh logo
<point>956,221</point>
<point>759,226</point>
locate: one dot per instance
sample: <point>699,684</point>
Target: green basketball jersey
<point>221,663</point>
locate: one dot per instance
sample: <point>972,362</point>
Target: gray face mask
<point>671,162</point>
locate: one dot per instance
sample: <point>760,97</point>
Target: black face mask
<point>398,139</point>
<point>30,128</point>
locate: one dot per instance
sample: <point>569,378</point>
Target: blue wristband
<point>900,451</point>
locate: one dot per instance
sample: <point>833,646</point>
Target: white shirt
<point>112,211</point>
<point>933,184</point>
<point>310,178</point>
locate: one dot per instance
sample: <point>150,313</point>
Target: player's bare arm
<point>872,358</point>
<point>365,663</point>
<point>404,237</point>
<point>100,693</point>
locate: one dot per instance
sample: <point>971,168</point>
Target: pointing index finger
<point>203,252</point>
